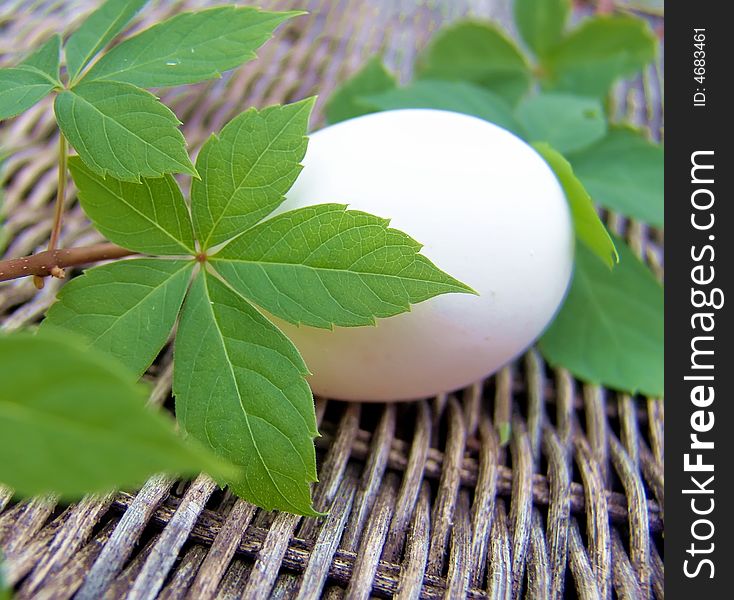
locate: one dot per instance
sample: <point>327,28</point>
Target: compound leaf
<point>122,130</point>
<point>126,308</point>
<point>541,22</point>
<point>324,265</point>
<point>73,422</point>
<point>150,216</point>
<point>477,53</point>
<point>347,101</point>
<point>588,226</point>
<point>566,122</point>
<point>189,47</point>
<point>600,51</point>
<point>97,31</point>
<point>455,96</point>
<point>240,388</point>
<point>610,329</point>
<point>624,172</point>
<point>247,169</point>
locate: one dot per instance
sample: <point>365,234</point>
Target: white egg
<point>487,209</point>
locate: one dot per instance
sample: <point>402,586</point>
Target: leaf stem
<point>59,208</point>
<point>52,262</point>
<point>60,194</point>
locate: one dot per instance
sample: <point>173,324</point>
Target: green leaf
<point>189,47</point>
<point>97,31</point>
<point>541,22</point>
<point>126,308</point>
<point>74,422</point>
<point>477,53</point>
<point>240,388</point>
<point>600,51</point>
<point>610,329</point>
<point>46,60</point>
<point>325,265</point>
<point>588,226</point>
<point>566,122</point>
<point>150,216</point>
<point>20,89</point>
<point>247,169</point>
<point>122,130</point>
<point>624,172</point>
<point>455,96</point>
<point>346,102</point>
<point>31,81</point>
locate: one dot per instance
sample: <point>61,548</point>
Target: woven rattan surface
<point>423,501</point>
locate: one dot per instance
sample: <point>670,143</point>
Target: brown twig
<point>52,262</point>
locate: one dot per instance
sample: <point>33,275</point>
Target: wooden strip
<point>484,499</point>
<point>64,584</point>
<point>500,556</point>
<point>75,532</point>
<point>184,574</point>
<point>472,407</point>
<point>222,550</point>
<point>654,476</point>
<point>595,399</point>
<point>459,565</point>
<point>18,565</point>
<point>658,574</point>
<point>164,554</point>
<point>503,404</point>
<point>448,488</point>
<point>587,587</point>
<point>123,540</point>
<point>559,510</point>
<point>538,567</point>
<point>365,565</point>
<point>630,434</point>
<point>536,401</point>
<point>597,517</point>
<point>626,584</point>
<point>565,400</point>
<point>656,408</point>
<point>327,541</point>
<point>410,488</point>
<point>123,583</point>
<point>416,549</point>
<point>371,478</point>
<point>521,505</point>
<point>234,580</point>
<point>639,538</point>
<point>333,467</point>
<point>16,530</point>
<point>270,557</point>
<point>267,566</point>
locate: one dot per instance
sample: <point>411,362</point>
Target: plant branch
<point>52,262</point>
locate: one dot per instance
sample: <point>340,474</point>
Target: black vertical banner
<point>699,337</point>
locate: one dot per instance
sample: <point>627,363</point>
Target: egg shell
<point>487,209</point>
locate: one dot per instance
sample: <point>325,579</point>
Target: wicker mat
<point>423,500</point>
